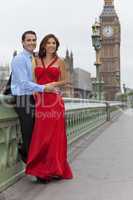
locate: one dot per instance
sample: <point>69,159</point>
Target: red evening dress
<point>48,149</point>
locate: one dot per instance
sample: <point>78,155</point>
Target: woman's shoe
<point>41,180</point>
<point>57,178</point>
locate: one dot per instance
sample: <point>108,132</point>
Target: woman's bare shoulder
<point>61,62</point>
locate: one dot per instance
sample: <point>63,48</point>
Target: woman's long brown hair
<point>42,51</point>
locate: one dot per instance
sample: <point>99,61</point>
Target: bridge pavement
<point>103,171</point>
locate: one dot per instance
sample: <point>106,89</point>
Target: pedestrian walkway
<point>103,171</point>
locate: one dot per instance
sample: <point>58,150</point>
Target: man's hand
<point>49,88</point>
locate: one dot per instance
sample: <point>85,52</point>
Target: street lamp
<point>96,43</point>
<point>124,88</point>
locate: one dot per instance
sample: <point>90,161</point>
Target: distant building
<point>82,84</point>
<point>4,75</point>
<point>128,90</point>
<point>129,93</point>
<point>4,72</point>
<point>68,90</point>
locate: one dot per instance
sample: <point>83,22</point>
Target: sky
<point>71,22</point>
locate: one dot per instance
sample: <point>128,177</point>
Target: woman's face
<point>50,46</point>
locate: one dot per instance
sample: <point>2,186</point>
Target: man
<point>23,87</point>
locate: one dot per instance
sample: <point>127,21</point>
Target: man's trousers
<point>25,108</point>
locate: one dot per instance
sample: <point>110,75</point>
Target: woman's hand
<point>68,83</point>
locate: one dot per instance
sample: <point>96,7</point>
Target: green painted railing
<point>82,117</point>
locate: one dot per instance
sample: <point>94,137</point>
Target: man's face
<point>29,42</point>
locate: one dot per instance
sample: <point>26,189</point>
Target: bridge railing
<point>82,117</point>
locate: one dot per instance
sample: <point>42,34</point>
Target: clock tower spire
<point>110,53</point>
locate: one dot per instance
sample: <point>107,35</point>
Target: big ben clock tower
<point>110,52</point>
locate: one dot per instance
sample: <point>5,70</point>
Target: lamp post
<point>124,88</point>
<point>96,43</point>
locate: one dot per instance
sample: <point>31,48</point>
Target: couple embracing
<point>35,84</point>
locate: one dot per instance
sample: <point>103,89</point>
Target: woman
<point>47,157</point>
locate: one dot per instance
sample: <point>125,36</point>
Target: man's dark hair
<point>28,32</point>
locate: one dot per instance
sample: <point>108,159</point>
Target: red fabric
<point>48,150</point>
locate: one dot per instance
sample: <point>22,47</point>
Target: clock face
<point>108,31</point>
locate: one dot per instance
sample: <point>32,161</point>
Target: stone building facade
<point>68,90</point>
<point>4,75</point>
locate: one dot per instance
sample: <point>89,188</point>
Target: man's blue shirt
<point>22,81</point>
